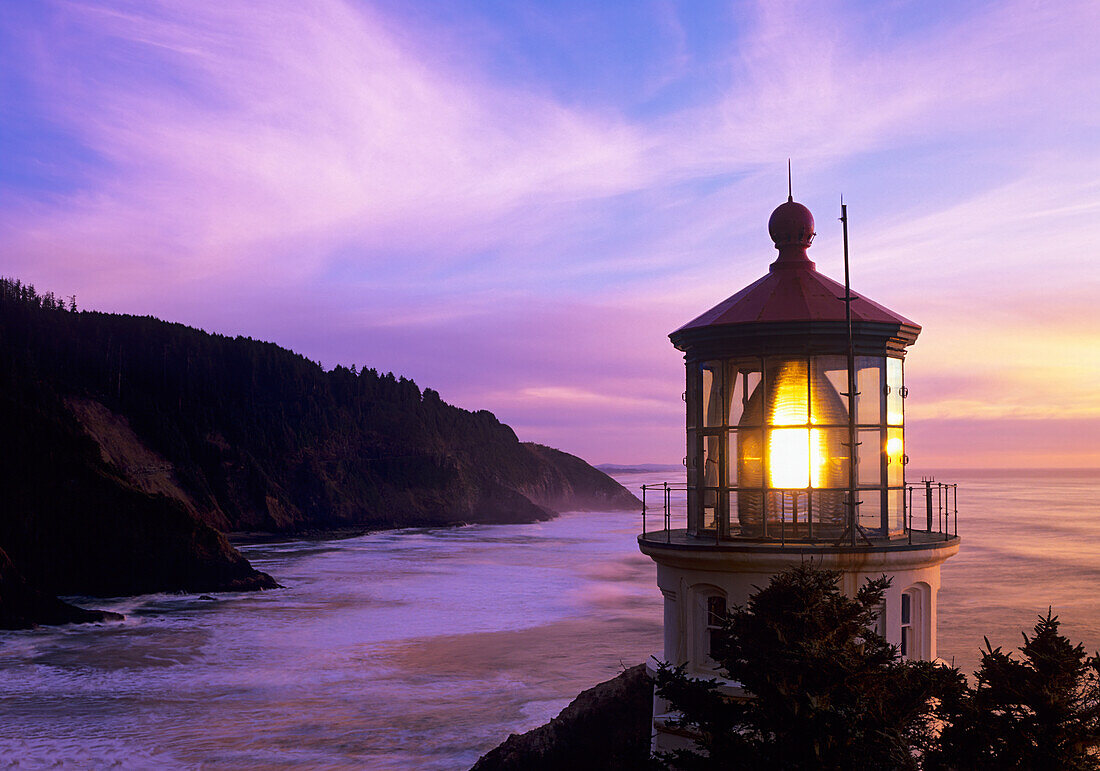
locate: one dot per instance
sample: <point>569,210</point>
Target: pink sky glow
<point>514,204</point>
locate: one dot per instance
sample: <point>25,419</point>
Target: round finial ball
<point>791,224</point>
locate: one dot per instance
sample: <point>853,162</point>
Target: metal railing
<point>938,513</point>
<point>668,492</point>
<point>941,507</point>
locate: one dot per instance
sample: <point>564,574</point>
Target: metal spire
<point>853,527</point>
<point>790,194</point>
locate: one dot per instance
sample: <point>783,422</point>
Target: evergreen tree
<point>1040,712</point>
<point>261,438</point>
<point>825,689</point>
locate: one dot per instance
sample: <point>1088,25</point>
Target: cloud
<point>232,135</point>
<point>1007,443</point>
<point>355,184</point>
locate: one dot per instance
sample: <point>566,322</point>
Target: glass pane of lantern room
<point>830,383</point>
<point>744,380</point>
<point>748,507</point>
<point>788,392</point>
<point>791,453</point>
<point>829,458</point>
<point>712,394</point>
<point>710,509</point>
<point>896,509</point>
<point>746,458</point>
<point>870,457</point>
<point>711,460</point>
<point>870,509</point>
<point>830,512</point>
<point>692,457</point>
<point>870,386</point>
<point>692,396</point>
<point>895,457</point>
<point>894,406</point>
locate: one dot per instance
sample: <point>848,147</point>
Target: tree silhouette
<point>1039,712</point>
<point>262,438</point>
<point>825,689</point>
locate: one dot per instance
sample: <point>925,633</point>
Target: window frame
<point>728,484</point>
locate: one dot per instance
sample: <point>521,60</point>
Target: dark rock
<point>607,727</point>
<point>71,524</point>
<point>23,607</point>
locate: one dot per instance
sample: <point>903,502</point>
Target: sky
<point>515,202</point>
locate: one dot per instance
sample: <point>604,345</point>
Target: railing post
<point>955,495</point>
<point>946,517</point>
<point>940,491</point>
<point>928,502</point>
<point>909,511</point>
<point>668,515</point>
<point>643,511</point>
<point>764,509</point>
<point>810,516</point>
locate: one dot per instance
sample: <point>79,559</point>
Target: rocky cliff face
<point>71,524</point>
<point>22,606</point>
<point>564,482</point>
<point>607,727</point>
<point>251,437</point>
<point>131,444</point>
<point>499,482</point>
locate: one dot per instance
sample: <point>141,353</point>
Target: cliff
<point>607,727</point>
<point>131,444</point>
<point>71,524</point>
<point>22,606</point>
<point>253,437</point>
<point>564,482</point>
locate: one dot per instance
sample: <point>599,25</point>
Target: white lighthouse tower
<point>771,477</point>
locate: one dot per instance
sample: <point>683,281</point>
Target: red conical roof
<point>793,290</point>
<point>797,293</point>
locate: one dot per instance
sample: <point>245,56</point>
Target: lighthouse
<point>795,451</point>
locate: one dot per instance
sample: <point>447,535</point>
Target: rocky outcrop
<point>567,483</point>
<point>143,468</point>
<point>22,606</point>
<point>607,727</point>
<point>71,524</point>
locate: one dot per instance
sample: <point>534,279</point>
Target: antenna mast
<point>853,518</point>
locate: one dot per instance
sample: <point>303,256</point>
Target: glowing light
<point>796,456</point>
<point>894,449</point>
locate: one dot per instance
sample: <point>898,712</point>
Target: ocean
<point>424,648</point>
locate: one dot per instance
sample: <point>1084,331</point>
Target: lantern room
<point>791,409</point>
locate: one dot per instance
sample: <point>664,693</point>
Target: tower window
<point>907,625</point>
<point>716,618</point>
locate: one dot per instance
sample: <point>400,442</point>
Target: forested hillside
<point>182,429</point>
